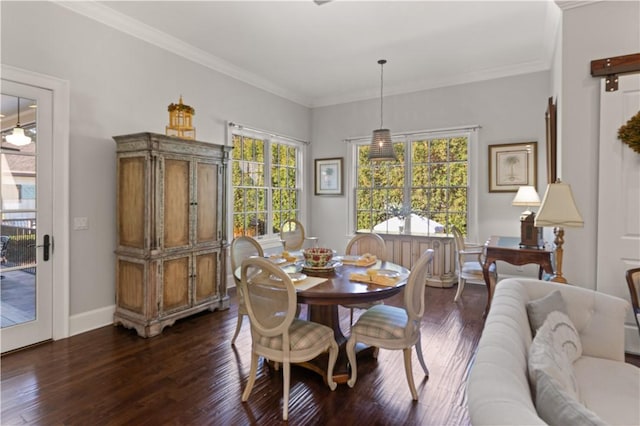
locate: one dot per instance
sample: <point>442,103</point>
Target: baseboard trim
<point>90,320</point>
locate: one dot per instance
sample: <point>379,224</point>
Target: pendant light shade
<point>17,137</point>
<point>381,148</point>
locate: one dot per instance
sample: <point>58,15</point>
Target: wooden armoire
<point>171,243</point>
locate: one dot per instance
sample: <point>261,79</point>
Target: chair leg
<point>408,370</point>
<point>351,356</point>
<point>350,317</point>
<point>461,282</point>
<point>333,356</point>
<point>421,358</point>
<point>286,371</point>
<point>252,377</point>
<point>238,327</point>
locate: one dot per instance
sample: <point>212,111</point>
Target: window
<point>424,192</point>
<point>266,183</point>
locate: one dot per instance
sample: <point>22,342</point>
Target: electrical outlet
<point>80,223</point>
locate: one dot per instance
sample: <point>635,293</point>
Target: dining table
<point>336,287</point>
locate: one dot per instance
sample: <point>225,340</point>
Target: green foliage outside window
<point>436,172</point>
<point>254,182</point>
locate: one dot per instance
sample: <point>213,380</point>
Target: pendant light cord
<point>381,62</point>
<point>18,120</point>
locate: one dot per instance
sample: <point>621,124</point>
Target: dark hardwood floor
<point>190,375</point>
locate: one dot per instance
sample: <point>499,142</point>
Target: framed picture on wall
<point>512,165</point>
<point>328,176</point>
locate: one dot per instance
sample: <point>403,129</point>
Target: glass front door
<point>26,243</point>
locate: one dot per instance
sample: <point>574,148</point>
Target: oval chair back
<point>242,248</point>
<point>292,232</point>
<point>414,292</point>
<point>367,243</point>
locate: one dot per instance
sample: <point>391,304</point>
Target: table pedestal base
<point>328,314</point>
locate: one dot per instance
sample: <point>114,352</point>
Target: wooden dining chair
<point>390,327</point>
<point>276,333</point>
<point>633,281</point>
<point>292,233</point>
<point>360,244</point>
<point>469,258</point>
<point>242,248</point>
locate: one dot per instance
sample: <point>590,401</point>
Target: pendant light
<point>381,148</point>
<point>18,138</point>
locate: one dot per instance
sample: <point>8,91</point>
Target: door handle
<point>45,244</point>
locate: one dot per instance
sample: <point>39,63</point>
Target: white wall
<point>119,85</point>
<point>594,31</point>
<point>508,109</point>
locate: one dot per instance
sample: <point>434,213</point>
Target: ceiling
<point>327,54</point>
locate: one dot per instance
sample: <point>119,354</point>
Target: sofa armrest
<point>598,317</point>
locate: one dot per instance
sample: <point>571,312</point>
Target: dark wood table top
<point>339,289</point>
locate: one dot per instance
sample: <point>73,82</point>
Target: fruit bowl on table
<point>317,257</point>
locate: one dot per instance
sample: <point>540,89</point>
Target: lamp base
<point>558,279</point>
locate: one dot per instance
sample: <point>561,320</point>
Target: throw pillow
<point>548,356</point>
<point>557,407</point>
<point>538,309</point>
<point>565,335</point>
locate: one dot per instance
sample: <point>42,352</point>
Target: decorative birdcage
<point>180,121</point>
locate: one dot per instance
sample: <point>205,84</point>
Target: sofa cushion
<point>609,388</point>
<point>538,309</point>
<point>557,407</point>
<point>547,354</point>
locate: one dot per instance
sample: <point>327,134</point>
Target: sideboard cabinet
<point>171,242</point>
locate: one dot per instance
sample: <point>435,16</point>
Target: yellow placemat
<point>361,261</point>
<point>376,279</point>
<point>309,282</point>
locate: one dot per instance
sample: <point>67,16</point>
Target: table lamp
<point>530,236</point>
<point>558,210</point>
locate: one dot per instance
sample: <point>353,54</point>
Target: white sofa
<point>498,386</point>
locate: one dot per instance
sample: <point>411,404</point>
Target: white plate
<point>387,273</point>
<point>277,260</point>
<point>295,277</point>
<point>333,264</point>
<point>350,258</point>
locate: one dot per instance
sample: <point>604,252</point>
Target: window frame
<point>269,239</point>
<point>473,183</point>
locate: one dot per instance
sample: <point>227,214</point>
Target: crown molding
<point>110,17</point>
<point>567,4</point>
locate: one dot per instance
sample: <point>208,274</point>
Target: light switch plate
<point>80,223</point>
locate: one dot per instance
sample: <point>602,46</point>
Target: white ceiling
<point>326,54</point>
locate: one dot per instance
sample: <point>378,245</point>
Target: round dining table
<point>324,299</point>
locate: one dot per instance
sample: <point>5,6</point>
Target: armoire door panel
<point>131,190</point>
<point>176,203</point>
<point>130,287</point>
<point>206,276</point>
<point>207,208</point>
<point>175,283</point>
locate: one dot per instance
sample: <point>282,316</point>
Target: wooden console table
<point>508,250</point>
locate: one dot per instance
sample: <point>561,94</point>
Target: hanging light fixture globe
<point>381,148</point>
<point>17,137</point>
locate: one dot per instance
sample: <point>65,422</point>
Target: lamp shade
<point>381,148</point>
<point>17,137</point>
<point>559,208</point>
<point>526,196</point>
